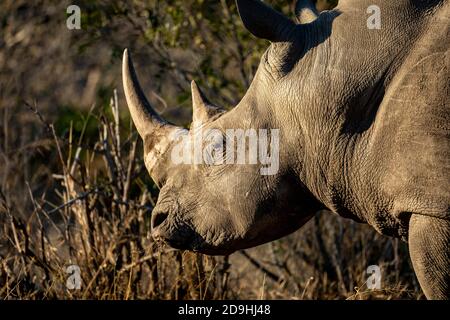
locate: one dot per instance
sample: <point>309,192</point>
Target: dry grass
<point>69,200</point>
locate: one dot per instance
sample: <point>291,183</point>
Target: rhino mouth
<point>197,246</point>
<point>185,238</point>
<point>181,238</point>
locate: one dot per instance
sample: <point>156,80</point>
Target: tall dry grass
<point>68,199</point>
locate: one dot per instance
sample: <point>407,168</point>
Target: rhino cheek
<point>215,233</point>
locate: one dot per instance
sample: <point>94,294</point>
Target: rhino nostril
<point>158,218</point>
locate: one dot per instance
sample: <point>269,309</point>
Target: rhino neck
<point>332,100</point>
<point>342,84</point>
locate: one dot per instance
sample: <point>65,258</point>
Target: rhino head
<point>217,208</point>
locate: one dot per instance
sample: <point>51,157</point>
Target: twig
<point>259,266</point>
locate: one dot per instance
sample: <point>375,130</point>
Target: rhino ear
<point>264,22</point>
<point>306,11</point>
<point>203,110</point>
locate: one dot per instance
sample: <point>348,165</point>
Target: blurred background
<point>73,187</point>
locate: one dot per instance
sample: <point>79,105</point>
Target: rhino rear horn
<point>264,22</point>
<point>203,110</point>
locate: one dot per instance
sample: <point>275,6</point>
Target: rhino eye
<point>214,152</point>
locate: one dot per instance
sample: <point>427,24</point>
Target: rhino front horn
<point>146,120</point>
<point>157,133</point>
<point>203,110</point>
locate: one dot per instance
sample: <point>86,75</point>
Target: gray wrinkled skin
<point>364,132</point>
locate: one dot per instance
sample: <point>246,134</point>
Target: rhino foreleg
<point>429,240</point>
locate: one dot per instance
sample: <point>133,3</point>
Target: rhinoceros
<point>363,126</point>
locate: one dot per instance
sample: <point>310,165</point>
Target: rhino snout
<point>158,218</point>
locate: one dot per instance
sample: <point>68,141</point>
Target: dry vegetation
<point>74,190</point>
<point>96,215</point>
